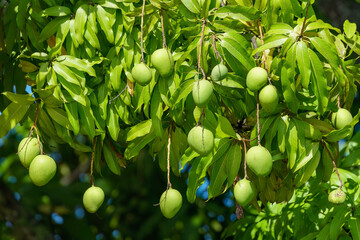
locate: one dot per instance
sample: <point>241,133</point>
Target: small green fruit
<point>337,197</point>
<point>170,202</point>
<point>341,118</point>
<point>163,62</point>
<point>29,152</point>
<point>219,72</point>
<point>269,98</point>
<point>256,78</point>
<point>141,73</point>
<point>202,92</point>
<point>244,192</point>
<point>42,169</point>
<point>259,160</point>
<point>93,198</point>
<point>201,140</point>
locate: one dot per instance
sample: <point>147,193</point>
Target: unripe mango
<point>219,72</point>
<point>201,140</point>
<point>170,202</point>
<point>141,73</point>
<point>269,98</point>
<point>29,151</point>
<point>259,160</point>
<point>244,192</point>
<point>337,197</point>
<point>341,118</point>
<point>163,62</point>
<point>42,169</point>
<point>93,198</point>
<point>202,92</point>
<point>256,78</point>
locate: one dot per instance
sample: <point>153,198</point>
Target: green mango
<point>201,140</point>
<point>244,192</point>
<point>141,73</point>
<point>42,169</point>
<point>29,151</point>
<point>219,72</point>
<point>170,202</point>
<point>202,92</point>
<point>163,62</point>
<point>93,198</point>
<point>268,98</point>
<point>259,160</point>
<point>256,78</point>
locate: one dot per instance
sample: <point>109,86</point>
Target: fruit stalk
<point>168,159</point>
<point>258,117</point>
<point>338,101</point>
<point>217,54</point>
<point>92,162</point>
<point>245,150</point>
<point>142,32</point>
<point>333,161</point>
<point>201,116</point>
<point>262,43</point>
<point>200,48</point>
<point>162,28</point>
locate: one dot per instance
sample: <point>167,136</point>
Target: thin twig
<point>200,49</point>
<point>201,116</point>
<point>338,101</point>
<point>168,159</point>
<point>118,94</point>
<point>38,139</point>
<point>303,25</point>
<point>32,128</point>
<point>163,29</point>
<point>217,54</point>
<point>245,151</point>
<point>262,43</point>
<point>119,155</point>
<point>333,162</point>
<point>92,161</point>
<point>142,32</point>
<point>258,117</point>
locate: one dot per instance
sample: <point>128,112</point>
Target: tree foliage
<point>77,56</point>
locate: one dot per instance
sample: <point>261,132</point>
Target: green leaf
<point>139,130</point>
<point>324,234</point>
<point>22,13</point>
<point>80,21</point>
<point>188,155</point>
<point>349,28</point>
<point>288,81</point>
<point>115,72</point>
<point>156,112</point>
<point>238,12</point>
<point>271,42</point>
<point>337,135</point>
<point>42,74</point>
<point>302,58</point>
<point>192,5</point>
<point>279,28</point>
<point>237,50</point>
<point>292,144</point>
<point>76,63</point>
<point>25,99</point>
<point>233,163</point>
<point>58,115</point>
<point>51,28</point>
<point>354,225</point>
<point>113,123</point>
<point>58,11</point>
<point>282,129</point>
<point>224,128</point>
<point>65,72</point>
<point>137,145</point>
<point>102,99</point>
<point>73,116</point>
<point>87,120</point>
<point>106,18</point>
<point>182,92</point>
<point>111,158</point>
<point>337,223</point>
<point>219,172</point>
<point>304,157</point>
<point>319,82</point>
<point>74,90</point>
<point>319,24</point>
<point>13,114</point>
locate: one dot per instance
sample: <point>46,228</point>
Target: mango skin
<point>259,160</point>
<point>29,152</point>
<point>256,78</point>
<point>170,205</point>
<point>141,73</point>
<point>202,92</point>
<point>244,192</point>
<point>199,142</point>
<point>163,62</point>
<point>337,197</point>
<point>219,72</point>
<point>93,198</point>
<point>341,118</point>
<point>42,169</point>
<point>269,98</point>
